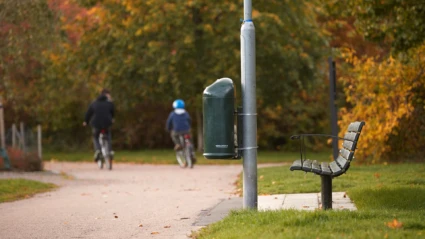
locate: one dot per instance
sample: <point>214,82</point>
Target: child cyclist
<point>178,123</point>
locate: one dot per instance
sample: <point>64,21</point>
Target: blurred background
<point>57,55</point>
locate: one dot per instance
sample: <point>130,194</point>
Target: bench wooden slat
<point>352,136</point>
<point>325,168</point>
<point>307,165</point>
<point>296,165</point>
<point>346,154</point>
<point>342,162</point>
<point>355,127</point>
<point>315,167</point>
<point>349,145</point>
<point>336,170</point>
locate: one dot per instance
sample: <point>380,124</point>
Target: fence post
<point>3,151</point>
<point>13,135</point>
<point>23,138</point>
<point>40,152</point>
<point>2,132</point>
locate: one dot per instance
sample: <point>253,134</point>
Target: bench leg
<point>326,192</point>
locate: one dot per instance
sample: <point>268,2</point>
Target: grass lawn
<point>15,189</point>
<point>168,157</point>
<point>390,201</point>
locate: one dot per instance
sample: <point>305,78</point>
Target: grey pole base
<point>326,192</point>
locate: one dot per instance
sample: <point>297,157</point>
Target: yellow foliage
<point>380,93</point>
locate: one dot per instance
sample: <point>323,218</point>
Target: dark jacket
<point>178,121</point>
<point>100,113</point>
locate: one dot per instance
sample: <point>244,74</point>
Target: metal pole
<point>40,152</point>
<point>249,114</point>
<point>2,132</point>
<point>23,137</point>
<point>332,106</point>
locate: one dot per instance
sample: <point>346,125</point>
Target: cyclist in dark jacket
<point>100,115</point>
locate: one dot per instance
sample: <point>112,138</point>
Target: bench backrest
<point>346,153</point>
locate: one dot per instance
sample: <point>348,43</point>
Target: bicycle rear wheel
<point>188,155</point>
<point>106,153</point>
<point>100,162</point>
<point>180,156</point>
<point>108,162</point>
<point>106,156</point>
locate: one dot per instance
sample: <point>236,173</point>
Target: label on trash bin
<point>222,146</point>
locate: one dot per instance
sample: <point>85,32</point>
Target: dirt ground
<point>131,201</point>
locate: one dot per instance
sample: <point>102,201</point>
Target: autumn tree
<point>151,52</point>
<point>27,30</point>
<point>387,95</point>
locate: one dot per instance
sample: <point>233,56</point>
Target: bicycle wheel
<point>100,162</point>
<point>181,158</point>
<point>106,153</point>
<point>188,154</point>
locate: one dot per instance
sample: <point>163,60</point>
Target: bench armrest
<point>302,146</point>
<point>299,136</point>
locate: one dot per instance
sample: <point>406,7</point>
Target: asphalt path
<point>131,201</point>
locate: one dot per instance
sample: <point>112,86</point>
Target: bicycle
<point>184,154</point>
<point>105,157</point>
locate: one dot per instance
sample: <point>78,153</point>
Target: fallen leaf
<point>394,224</point>
<point>167,226</point>
<point>377,175</point>
<point>141,225</point>
<point>154,233</point>
<point>275,197</point>
<point>116,216</point>
<point>305,206</point>
<point>262,176</point>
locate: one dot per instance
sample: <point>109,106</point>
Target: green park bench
<point>327,170</point>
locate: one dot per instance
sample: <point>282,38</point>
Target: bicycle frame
<point>184,156</point>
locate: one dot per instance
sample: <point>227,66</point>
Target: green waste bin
<point>218,110</point>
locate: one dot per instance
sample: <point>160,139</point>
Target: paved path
<point>135,201</point>
<point>131,201</point>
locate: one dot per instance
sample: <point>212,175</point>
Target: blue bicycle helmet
<point>178,104</point>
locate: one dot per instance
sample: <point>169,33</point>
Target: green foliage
<point>151,52</point>
<point>396,23</point>
<point>400,22</point>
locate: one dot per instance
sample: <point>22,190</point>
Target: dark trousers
<point>175,136</point>
<point>96,143</point>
